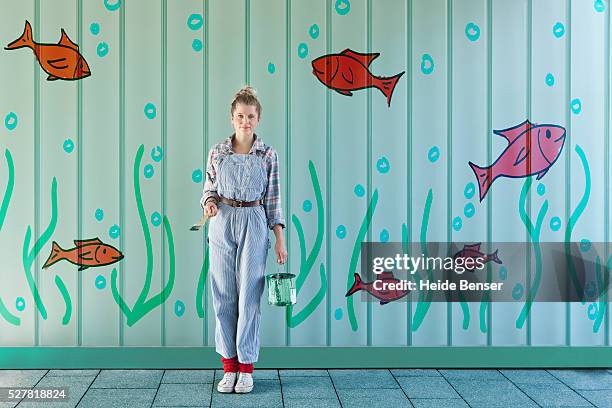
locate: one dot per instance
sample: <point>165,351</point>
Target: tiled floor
<point>321,388</point>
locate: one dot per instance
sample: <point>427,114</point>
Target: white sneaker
<point>227,383</point>
<point>244,384</point>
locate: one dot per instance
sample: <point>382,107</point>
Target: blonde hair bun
<point>247,96</point>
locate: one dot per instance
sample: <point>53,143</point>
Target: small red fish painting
<point>473,252</point>
<point>87,253</point>
<point>349,71</point>
<point>384,295</point>
<point>60,61</point>
<point>532,149</point>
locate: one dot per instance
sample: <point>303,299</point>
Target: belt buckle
<point>239,203</point>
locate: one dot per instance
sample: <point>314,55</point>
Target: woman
<point>242,198</point>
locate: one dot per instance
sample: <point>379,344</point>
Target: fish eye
<point>104,251</point>
<point>548,135</point>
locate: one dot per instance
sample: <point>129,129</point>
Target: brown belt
<point>236,203</point>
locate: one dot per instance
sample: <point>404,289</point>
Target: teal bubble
<point>100,282</point>
<point>302,50</point>
<point>503,273</point>
<point>590,289</point>
<point>384,235</point>
<point>196,176</point>
<point>593,311</point>
<point>20,304</point>
<point>314,31</point>
<point>102,49</point>
<point>585,245</point>
<point>517,292</point>
<point>271,68</point>
<point>427,64</point>
<point>343,7</point>
<point>11,120</point>
<point>558,30</point>
<point>382,165</point>
<point>114,231</point>
<point>179,308</point>
<point>457,223</point>
<point>94,28</point>
<point>599,6</point>
<point>99,214</point>
<point>195,21</point>
<point>550,79</point>
<point>68,146</point>
<point>341,231</point>
<point>434,154</point>
<point>555,223</point>
<point>338,313</point>
<point>472,32</point>
<point>148,171</point>
<point>157,154</point>
<point>197,45</point>
<point>576,106</point>
<point>150,110</point>
<point>307,205</point>
<point>359,190</point>
<point>469,210</point>
<point>156,219</point>
<point>112,6</point>
<point>469,190</point>
<point>541,189</point>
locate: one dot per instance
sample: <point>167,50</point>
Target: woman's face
<point>245,119</point>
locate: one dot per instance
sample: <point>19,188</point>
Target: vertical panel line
<point>328,171</point>
<point>247,41</point>
<point>288,141</point>
<point>369,153</point>
<point>204,153</point>
<point>37,141</point>
<point>489,148</point>
<point>449,143</point>
<point>164,133</point>
<point>80,150</point>
<point>568,154</point>
<point>409,152</point>
<point>122,240</point>
<point>607,168</point>
<point>529,109</point>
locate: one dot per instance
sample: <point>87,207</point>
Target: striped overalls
<point>238,240</point>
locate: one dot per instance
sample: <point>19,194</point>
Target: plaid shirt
<point>272,197</point>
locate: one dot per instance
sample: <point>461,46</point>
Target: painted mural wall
<point>384,114</point>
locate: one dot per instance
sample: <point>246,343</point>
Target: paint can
<point>281,289</point>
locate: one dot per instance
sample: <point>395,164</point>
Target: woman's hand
<point>280,248</point>
<point>210,209</point>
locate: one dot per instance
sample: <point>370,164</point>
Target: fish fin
<point>365,59</point>
<point>52,78</point>
<point>83,257</point>
<point>484,176</point>
<point>522,155</point>
<point>82,242</point>
<point>56,255</point>
<point>542,173</point>
<point>344,92</point>
<point>25,40</point>
<point>66,42</point>
<point>83,267</point>
<point>473,246</point>
<point>59,63</point>
<point>495,257</point>
<point>356,286</point>
<point>387,85</point>
<point>511,134</point>
<point>384,302</point>
<point>350,76</point>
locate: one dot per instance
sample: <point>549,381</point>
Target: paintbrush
<point>196,227</point>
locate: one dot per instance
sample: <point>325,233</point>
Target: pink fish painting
<point>532,149</point>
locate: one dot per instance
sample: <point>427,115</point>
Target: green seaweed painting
<point>424,301</point>
<point>307,261</point>
<point>8,193</point>
<point>142,305</point>
<point>202,285</point>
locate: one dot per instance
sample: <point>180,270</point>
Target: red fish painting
<point>87,253</point>
<point>349,71</point>
<point>60,61</point>
<point>384,295</point>
<point>532,149</point>
<point>473,252</point>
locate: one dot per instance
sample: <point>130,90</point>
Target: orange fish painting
<point>60,61</point>
<point>86,253</point>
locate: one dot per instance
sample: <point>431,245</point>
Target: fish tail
<point>484,176</point>
<point>356,286</point>
<point>24,41</point>
<point>495,257</point>
<point>57,254</point>
<point>387,85</point>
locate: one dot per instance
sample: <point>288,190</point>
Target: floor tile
<point>118,398</point>
<point>265,374</point>
<point>183,395</point>
<point>8,405</point>
<point>415,372</point>
<point>439,403</point>
<point>530,376</point>
<point>20,378</point>
<point>266,393</point>
<point>427,387</point>
<point>491,393</point>
<point>128,379</point>
<point>75,388</point>
<point>73,373</point>
<point>188,377</point>
<point>362,379</point>
<point>601,398</point>
<point>311,403</point>
<point>369,398</point>
<point>584,379</point>
<point>472,374</point>
<point>303,373</point>
<point>553,395</point>
<point>305,387</point>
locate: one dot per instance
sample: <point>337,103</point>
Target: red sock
<point>230,365</point>
<point>245,368</point>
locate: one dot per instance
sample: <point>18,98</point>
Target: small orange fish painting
<point>60,61</point>
<point>86,253</point>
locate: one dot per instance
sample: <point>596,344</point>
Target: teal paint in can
<point>281,289</point>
